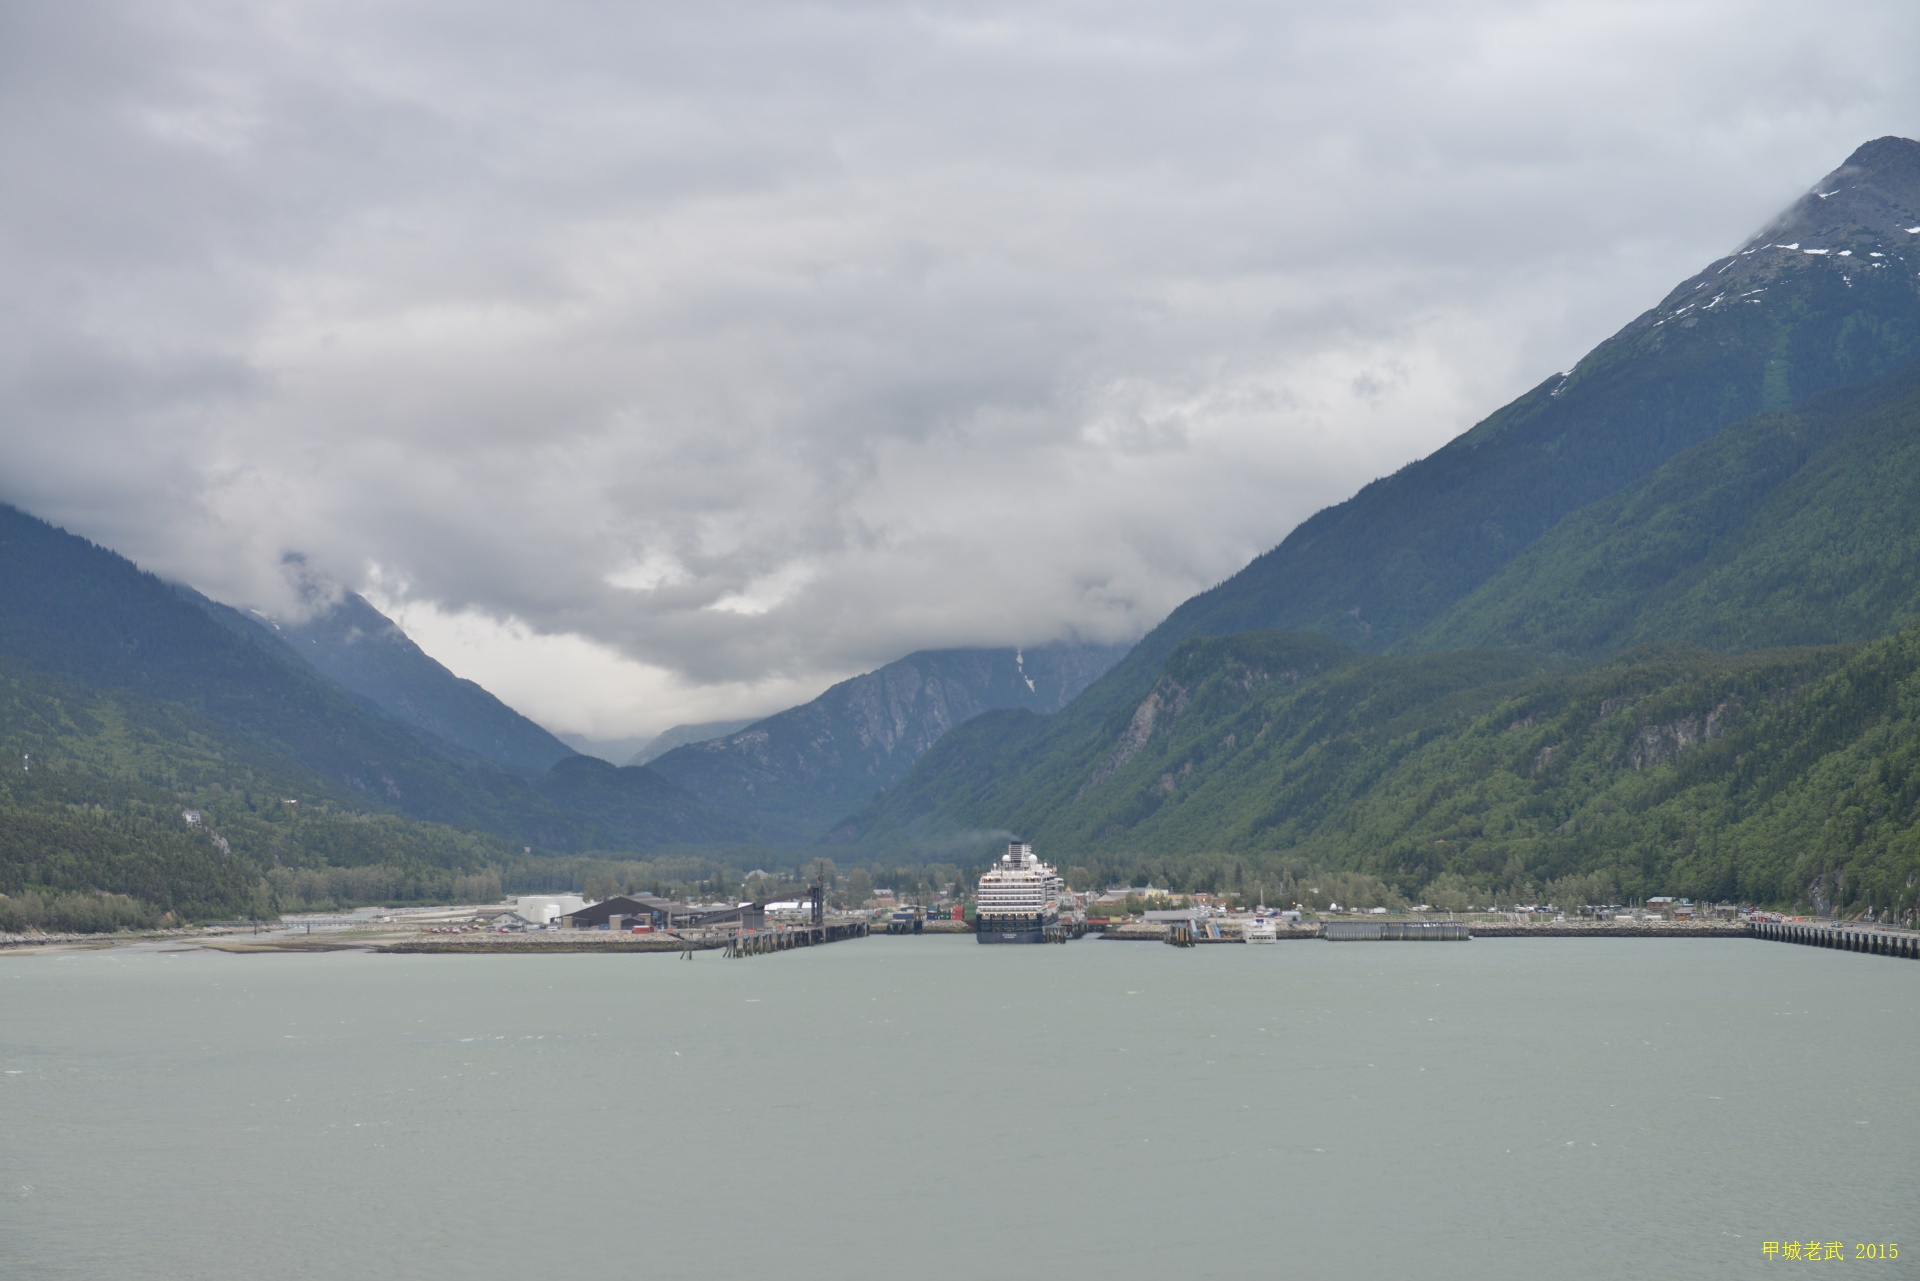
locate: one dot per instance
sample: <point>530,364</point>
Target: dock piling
<point>1876,942</point>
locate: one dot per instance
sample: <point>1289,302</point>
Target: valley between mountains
<point>1653,627</point>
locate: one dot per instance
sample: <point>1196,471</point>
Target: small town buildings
<point>503,918</point>
<point>1120,894</point>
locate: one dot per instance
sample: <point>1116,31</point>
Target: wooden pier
<point>786,938</point>
<point>1846,938</point>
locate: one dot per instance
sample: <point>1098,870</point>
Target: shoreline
<point>390,942</point>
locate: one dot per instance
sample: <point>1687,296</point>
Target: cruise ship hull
<point>1021,930</point>
<point>1033,934</point>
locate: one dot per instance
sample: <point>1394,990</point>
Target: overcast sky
<point>665,362</point>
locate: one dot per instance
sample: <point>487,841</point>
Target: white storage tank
<point>545,909</point>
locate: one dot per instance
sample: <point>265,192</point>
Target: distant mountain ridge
<point>795,773</point>
<point>90,617</point>
<point>681,735</point>
<point>361,649</point>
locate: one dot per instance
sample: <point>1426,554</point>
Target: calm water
<point>927,1108</point>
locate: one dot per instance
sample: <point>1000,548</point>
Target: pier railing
<point>1845,938</point>
<point>782,939</point>
<point>1411,931</point>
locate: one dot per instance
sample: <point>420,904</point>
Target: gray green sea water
<point>928,1108</point>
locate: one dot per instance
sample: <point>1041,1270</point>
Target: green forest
<point>1653,627</point>
<point>1779,776</point>
<point>120,811</point>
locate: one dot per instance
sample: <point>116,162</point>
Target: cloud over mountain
<point>663,363</point>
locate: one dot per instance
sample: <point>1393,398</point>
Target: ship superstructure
<point>1019,899</point>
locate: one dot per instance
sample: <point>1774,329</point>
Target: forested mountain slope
<point>1256,697</point>
<point>1798,528</point>
<point>1777,776</point>
<point>1827,296</point>
<point>107,792</point>
<point>1788,529</point>
<point>91,618</point>
<point>795,773</point>
<point>1734,469</point>
<point>362,650</point>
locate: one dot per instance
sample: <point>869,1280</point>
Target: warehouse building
<point>624,911</point>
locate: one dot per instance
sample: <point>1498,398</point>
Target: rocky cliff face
<point>1858,225</point>
<point>797,772</point>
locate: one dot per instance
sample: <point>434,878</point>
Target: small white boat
<point>1260,930</point>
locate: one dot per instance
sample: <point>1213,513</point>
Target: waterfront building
<point>623,911</point>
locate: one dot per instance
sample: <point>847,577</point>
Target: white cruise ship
<point>1019,899</point>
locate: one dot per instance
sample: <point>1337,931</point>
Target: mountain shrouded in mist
<point>1733,470</point>
<point>1762,329</point>
<point>88,617</point>
<point>1652,626</point>
<point>361,649</point>
<point>681,735</point>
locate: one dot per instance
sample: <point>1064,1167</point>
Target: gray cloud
<point>753,344</point>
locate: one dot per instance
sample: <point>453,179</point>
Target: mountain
<point>795,773</point>
<point>1284,759</point>
<point>1787,529</point>
<point>117,808</point>
<point>681,735</point>
<point>122,811</point>
<point>1733,470</point>
<point>1825,297</point>
<point>362,650</point>
<point>89,617</point>
<point>614,751</point>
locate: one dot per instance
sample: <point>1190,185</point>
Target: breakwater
<point>728,942</point>
<point>1901,943</point>
<point>1450,931</point>
<point>545,944</point>
<point>1611,930</point>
